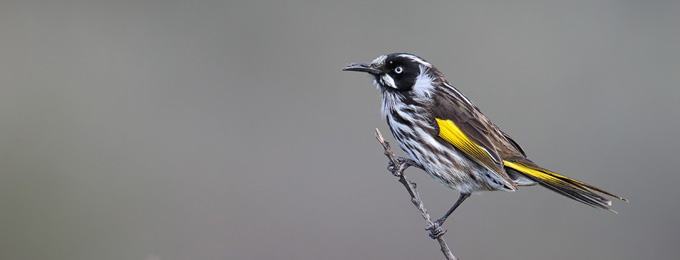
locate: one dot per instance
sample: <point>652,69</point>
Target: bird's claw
<point>403,163</point>
<point>391,167</point>
<point>436,230</point>
<point>406,161</point>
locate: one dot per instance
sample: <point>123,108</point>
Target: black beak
<point>363,67</point>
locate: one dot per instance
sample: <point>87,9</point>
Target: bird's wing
<point>461,124</point>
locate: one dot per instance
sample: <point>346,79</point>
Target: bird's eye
<point>398,70</point>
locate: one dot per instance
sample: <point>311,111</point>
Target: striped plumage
<point>412,124</point>
<point>449,137</point>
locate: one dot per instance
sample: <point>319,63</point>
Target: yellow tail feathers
<point>566,186</point>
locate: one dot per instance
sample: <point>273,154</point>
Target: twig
<point>397,167</point>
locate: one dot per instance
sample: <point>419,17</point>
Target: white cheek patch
<point>423,86</point>
<point>388,81</point>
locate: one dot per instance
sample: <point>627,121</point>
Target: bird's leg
<point>435,229</point>
<point>460,200</point>
<point>410,162</point>
<point>403,164</point>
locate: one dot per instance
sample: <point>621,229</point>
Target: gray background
<point>161,130</point>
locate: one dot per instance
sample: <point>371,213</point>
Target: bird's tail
<point>579,191</point>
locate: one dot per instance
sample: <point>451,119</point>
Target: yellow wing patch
<point>452,134</point>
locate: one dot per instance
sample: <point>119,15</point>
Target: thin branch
<point>397,166</point>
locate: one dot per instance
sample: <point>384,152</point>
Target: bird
<point>447,136</point>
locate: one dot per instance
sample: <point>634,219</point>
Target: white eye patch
<point>398,70</point>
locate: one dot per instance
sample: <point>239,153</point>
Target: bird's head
<point>401,72</point>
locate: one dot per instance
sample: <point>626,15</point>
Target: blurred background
<point>168,130</point>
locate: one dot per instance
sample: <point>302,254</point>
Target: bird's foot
<point>408,162</point>
<point>403,164</point>
<point>391,167</point>
<point>436,230</point>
